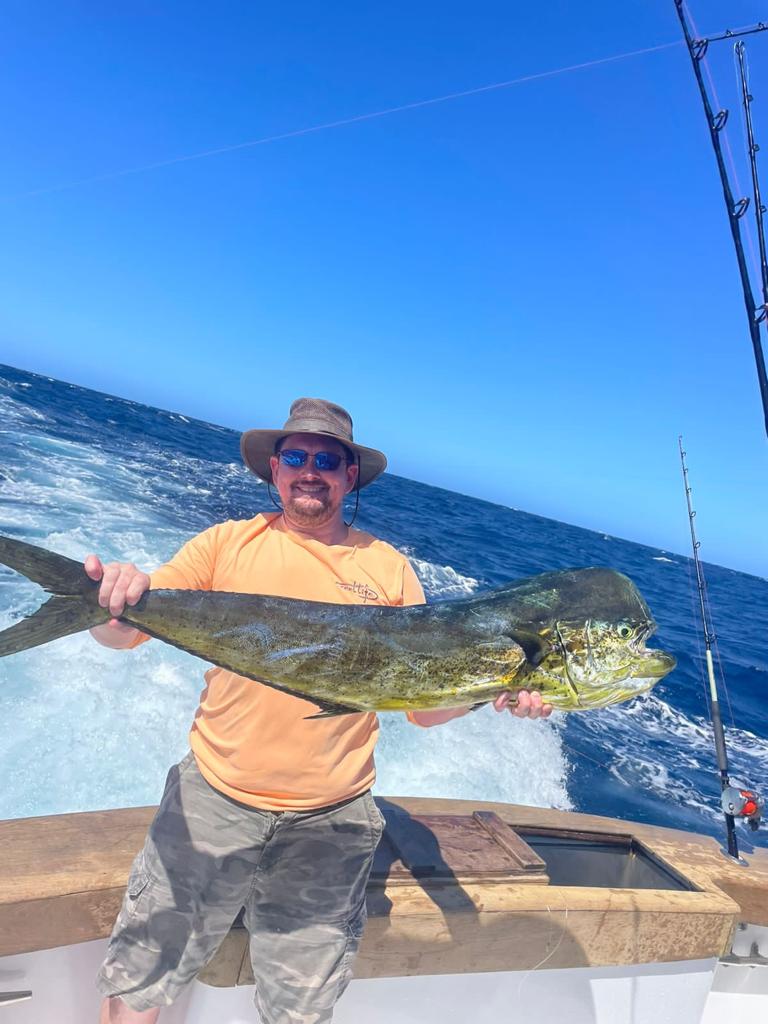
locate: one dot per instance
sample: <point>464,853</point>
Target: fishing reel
<point>744,804</point>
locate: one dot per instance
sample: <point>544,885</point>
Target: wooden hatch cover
<point>441,848</point>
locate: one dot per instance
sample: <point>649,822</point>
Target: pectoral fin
<point>503,657</point>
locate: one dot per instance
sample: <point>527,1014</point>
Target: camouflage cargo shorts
<point>300,877</point>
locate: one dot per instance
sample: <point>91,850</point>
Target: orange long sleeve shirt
<point>252,742</point>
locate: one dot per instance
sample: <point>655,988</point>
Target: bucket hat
<point>310,416</point>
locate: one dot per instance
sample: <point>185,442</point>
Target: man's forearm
<point>438,717</point>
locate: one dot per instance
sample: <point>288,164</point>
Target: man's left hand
<point>527,705</point>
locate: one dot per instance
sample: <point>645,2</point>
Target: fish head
<point>601,662</point>
<point>595,651</point>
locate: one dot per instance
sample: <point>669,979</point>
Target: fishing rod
<point>697,49</point>
<point>735,802</point>
<point>752,148</point>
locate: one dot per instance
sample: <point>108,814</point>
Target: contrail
<point>113,175</point>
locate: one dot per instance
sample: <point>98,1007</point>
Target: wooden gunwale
<point>65,875</point>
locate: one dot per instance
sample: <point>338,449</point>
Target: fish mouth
<point>654,663</point>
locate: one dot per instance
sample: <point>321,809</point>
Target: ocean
<point>86,728</point>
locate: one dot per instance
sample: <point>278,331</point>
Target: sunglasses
<point>326,462</point>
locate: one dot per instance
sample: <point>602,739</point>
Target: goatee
<point>309,510</point>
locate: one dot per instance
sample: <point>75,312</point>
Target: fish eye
<point>625,632</point>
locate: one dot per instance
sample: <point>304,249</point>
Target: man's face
<point>312,497</point>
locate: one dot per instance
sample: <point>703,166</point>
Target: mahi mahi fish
<point>578,636</point>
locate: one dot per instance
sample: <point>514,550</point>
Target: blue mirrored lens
<point>293,457</point>
<point>327,460</point>
<point>296,457</point>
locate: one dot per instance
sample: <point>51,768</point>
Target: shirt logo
<point>362,590</point>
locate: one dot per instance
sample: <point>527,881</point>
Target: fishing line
<point>549,955</point>
<point>716,649</point>
<point>695,631</point>
<point>743,118</point>
<point>589,757</point>
<point>713,644</point>
<point>342,122</point>
<point>702,678</point>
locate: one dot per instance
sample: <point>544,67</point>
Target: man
<point>269,811</point>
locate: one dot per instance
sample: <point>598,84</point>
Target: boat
<point>476,911</point>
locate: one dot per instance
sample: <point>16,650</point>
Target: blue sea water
<point>86,728</point>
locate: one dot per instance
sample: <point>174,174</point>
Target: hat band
<point>307,426</point>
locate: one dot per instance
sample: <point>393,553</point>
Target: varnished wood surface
<point>474,847</point>
<point>64,876</point>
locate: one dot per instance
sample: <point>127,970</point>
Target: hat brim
<point>258,446</point>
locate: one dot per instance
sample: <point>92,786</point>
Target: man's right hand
<point>121,584</point>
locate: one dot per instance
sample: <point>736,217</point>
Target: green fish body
<point>578,636</point>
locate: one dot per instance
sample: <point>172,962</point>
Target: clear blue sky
<point>523,294</point>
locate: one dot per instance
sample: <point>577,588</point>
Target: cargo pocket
<point>138,880</point>
<point>355,929</point>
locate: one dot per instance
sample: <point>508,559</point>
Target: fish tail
<point>68,610</point>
